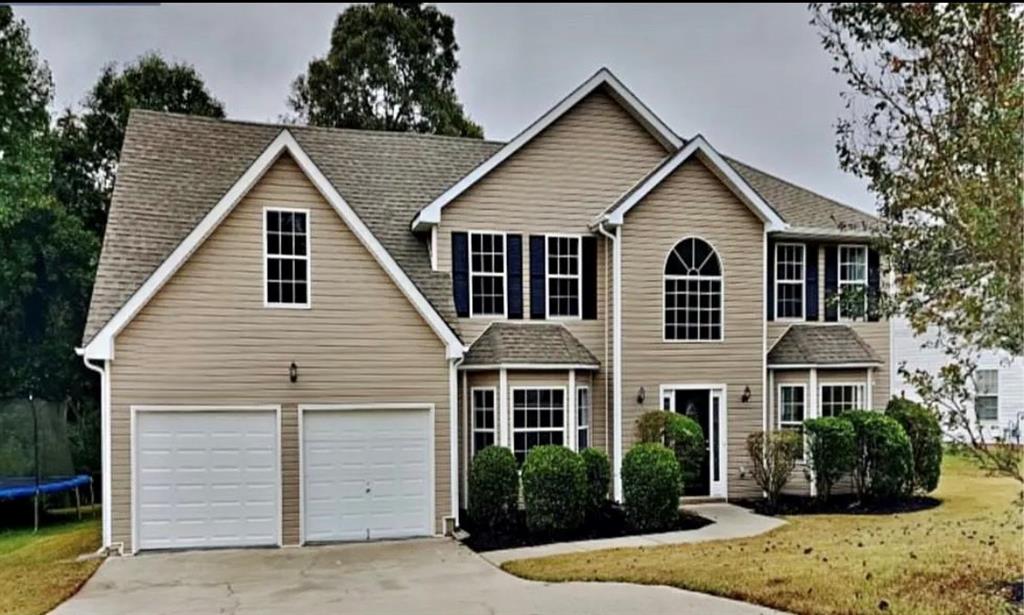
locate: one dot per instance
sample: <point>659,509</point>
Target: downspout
<point>452,521</point>
<point>617,357</point>
<point>104,448</point>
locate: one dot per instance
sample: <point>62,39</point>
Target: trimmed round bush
<point>884,459</point>
<point>686,439</point>
<point>925,433</point>
<point>651,486</point>
<point>493,488</point>
<point>831,445</point>
<point>650,427</point>
<point>599,475</point>
<point>555,489</point>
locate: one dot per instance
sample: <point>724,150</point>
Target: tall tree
<point>936,114</point>
<point>90,143</point>
<point>390,67</point>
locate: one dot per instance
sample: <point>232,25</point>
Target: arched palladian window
<point>693,292</point>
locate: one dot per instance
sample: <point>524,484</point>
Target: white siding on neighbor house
<point>913,353</point>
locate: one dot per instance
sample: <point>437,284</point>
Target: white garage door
<point>366,474</point>
<point>206,479</point>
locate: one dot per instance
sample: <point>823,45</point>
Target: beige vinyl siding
<point>693,202</point>
<point>558,183</point>
<point>206,338</point>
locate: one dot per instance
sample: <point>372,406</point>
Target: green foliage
<point>493,488</point>
<point>599,475</point>
<point>680,433</point>
<point>922,427</point>
<point>773,455</point>
<point>651,487</point>
<point>554,489</point>
<point>831,446</point>
<point>936,110</point>
<point>390,67</point>
<point>884,461</point>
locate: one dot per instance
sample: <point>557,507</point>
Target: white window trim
<point>859,387</point>
<point>504,272</point>
<point>513,430</point>
<point>783,424</point>
<point>472,418</point>
<point>840,283</point>
<point>992,421</point>
<point>308,258</point>
<point>548,276</point>
<point>590,417</point>
<point>802,282</point>
<point>721,278</point>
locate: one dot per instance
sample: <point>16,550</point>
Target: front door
<point>705,407</point>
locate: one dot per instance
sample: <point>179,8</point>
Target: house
<point>997,411</point>
<point>304,334</point>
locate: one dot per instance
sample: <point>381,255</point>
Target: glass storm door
<point>705,407</point>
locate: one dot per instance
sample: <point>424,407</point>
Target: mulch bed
<point>609,523</point>
<point>845,504</point>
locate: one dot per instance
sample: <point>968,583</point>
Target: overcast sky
<point>752,79</point>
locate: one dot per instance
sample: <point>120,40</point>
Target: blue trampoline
<point>17,488</point>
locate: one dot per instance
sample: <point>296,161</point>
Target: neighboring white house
<point>999,402</point>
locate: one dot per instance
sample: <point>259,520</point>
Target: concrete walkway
<point>730,521</point>
<point>402,578</point>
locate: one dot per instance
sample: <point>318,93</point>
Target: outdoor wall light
<point>641,395</point>
<point>746,395</point>
<point>293,372</point>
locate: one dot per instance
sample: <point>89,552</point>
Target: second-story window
<point>853,281</point>
<point>693,293</point>
<point>563,276</point>
<point>286,247</point>
<point>789,280</point>
<point>487,274</point>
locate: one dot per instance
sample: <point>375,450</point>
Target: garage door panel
<point>207,478</point>
<point>366,474</point>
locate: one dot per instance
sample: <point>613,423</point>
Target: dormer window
<point>286,258</point>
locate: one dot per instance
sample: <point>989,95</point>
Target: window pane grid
<point>853,276</point>
<point>837,399</point>
<point>563,261</point>
<point>986,400</point>
<point>538,418</point>
<point>487,274</point>
<point>789,276</point>
<point>693,293</point>
<point>484,432</point>
<point>582,418</point>
<point>287,257</point>
<point>791,410</point>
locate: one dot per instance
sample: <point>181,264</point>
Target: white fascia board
<point>739,186</point>
<point>431,214</point>
<point>102,344</point>
<point>860,365</point>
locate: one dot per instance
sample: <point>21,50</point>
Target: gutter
<point>452,522</point>
<point>105,442</point>
<point>616,240</point>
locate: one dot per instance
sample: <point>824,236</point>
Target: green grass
<point>39,571</point>
<point>950,559</point>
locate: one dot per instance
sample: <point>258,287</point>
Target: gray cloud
<point>751,78</point>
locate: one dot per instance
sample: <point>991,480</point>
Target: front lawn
<point>954,558</point>
<point>39,571</point>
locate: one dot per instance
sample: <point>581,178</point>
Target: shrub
<point>922,427</point>
<point>884,461</point>
<point>651,486</point>
<point>493,488</point>
<point>599,474</point>
<point>830,451</point>
<point>554,488</point>
<point>680,433</point>
<point>773,455</point>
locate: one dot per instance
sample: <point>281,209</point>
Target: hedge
<point>554,489</point>
<point>493,488</point>
<point>925,433</point>
<point>651,487</point>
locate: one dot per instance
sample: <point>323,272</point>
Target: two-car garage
<point>208,476</point>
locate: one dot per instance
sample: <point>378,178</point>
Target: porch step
<point>700,499</point>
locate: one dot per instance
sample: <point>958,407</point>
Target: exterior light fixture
<point>746,395</point>
<point>293,372</point>
<point>641,395</point>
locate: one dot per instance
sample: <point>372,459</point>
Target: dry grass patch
<point>950,559</point>
<point>39,571</point>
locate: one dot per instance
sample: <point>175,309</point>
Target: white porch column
<point>504,422</point>
<point>467,437</point>
<point>570,420</point>
<point>812,411</point>
<point>869,402</point>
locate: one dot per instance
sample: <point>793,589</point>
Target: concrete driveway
<point>420,576</point>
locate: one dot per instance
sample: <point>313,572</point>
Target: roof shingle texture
<point>505,343</point>
<point>821,345</point>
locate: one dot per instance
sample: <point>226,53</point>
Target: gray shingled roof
<point>821,345</point>
<point>505,343</point>
<point>174,169</point>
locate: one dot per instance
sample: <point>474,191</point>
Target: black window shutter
<point>460,273</point>
<point>811,283</point>
<point>831,283</point>
<point>514,258</point>
<point>874,283</point>
<point>589,299</point>
<point>537,282</point>
<point>771,280</point>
